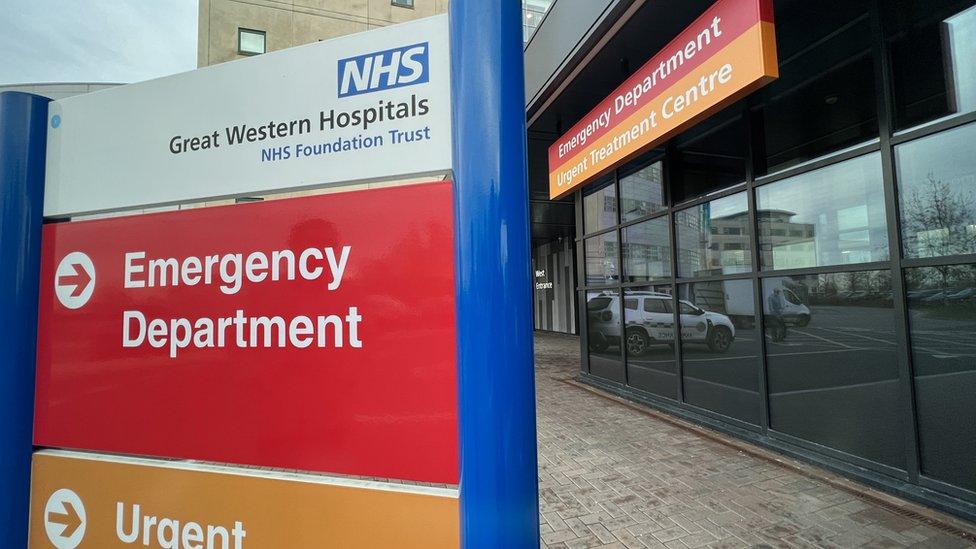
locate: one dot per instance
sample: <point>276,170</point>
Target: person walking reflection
<point>777,326</point>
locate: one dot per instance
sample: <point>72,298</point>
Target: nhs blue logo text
<point>384,70</point>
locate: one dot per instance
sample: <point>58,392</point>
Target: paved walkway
<point>613,475</point>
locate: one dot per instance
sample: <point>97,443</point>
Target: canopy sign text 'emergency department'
<point>727,52</point>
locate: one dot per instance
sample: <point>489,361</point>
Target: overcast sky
<point>96,40</point>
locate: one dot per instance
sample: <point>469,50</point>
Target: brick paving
<point>611,475</point>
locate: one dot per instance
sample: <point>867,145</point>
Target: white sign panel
<point>364,107</point>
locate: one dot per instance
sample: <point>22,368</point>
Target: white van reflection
<point>649,320</point>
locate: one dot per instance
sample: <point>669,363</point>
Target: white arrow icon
<point>65,519</point>
<point>74,281</point>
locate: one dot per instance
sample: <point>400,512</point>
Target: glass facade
<point>815,243</point>
<point>831,216</point>
<point>649,320</point>
<point>942,318</point>
<point>937,191</point>
<point>714,238</point>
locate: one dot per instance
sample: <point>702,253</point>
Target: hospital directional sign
<point>312,333</point>
<point>105,502</point>
<point>317,370</point>
<point>364,107</point>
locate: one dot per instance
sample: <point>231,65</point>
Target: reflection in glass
<point>710,156</point>
<point>937,181</point>
<point>642,192</point>
<point>933,58</point>
<point>649,318</point>
<point>942,318</point>
<point>720,347</point>
<point>600,207</point>
<point>601,258</point>
<point>825,98</point>
<point>832,363</point>
<point>603,334</point>
<point>647,250</point>
<point>713,238</point>
<point>831,216</point>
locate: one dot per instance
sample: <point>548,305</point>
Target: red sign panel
<point>314,334</point>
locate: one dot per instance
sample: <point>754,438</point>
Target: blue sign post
<point>499,475</point>
<point>23,139</point>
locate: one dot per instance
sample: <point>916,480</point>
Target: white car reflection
<point>649,321</point>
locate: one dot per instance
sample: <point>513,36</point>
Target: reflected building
<point>788,242</point>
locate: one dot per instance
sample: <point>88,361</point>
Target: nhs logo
<point>384,70</point>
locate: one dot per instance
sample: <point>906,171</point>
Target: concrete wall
<point>290,23</point>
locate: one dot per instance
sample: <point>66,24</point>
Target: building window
<point>649,343</point>
<point>603,334</point>
<point>647,251</point>
<point>841,207</point>
<point>250,42</point>
<point>833,378</point>
<point>825,98</point>
<point>933,58</point>
<point>402,3</point>
<point>942,312</point>
<point>601,259</point>
<point>937,190</point>
<point>713,238</point>
<point>600,207</point>
<point>710,157</point>
<point>642,192</point>
<point>532,13</point>
<point>720,348</point>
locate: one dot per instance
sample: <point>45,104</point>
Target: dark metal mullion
<point>822,162</point>
<point>575,294</point>
<point>669,162</point>
<point>882,74</point>
<point>622,345</point>
<point>939,261</point>
<point>644,283</point>
<point>931,128</point>
<point>828,269</point>
<point>640,220</point>
<point>716,278</point>
<point>595,233</point>
<point>582,323</point>
<point>753,136</point>
<point>597,287</point>
<point>733,190</point>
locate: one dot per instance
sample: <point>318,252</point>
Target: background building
<point>839,201</point>
<point>231,29</point>
<point>532,13</point>
<point>58,90</point>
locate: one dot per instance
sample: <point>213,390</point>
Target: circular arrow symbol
<point>74,281</point>
<point>65,519</point>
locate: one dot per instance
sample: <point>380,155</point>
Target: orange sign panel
<point>101,502</point>
<point>725,54</point>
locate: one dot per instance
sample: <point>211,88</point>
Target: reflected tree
<point>940,219</point>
